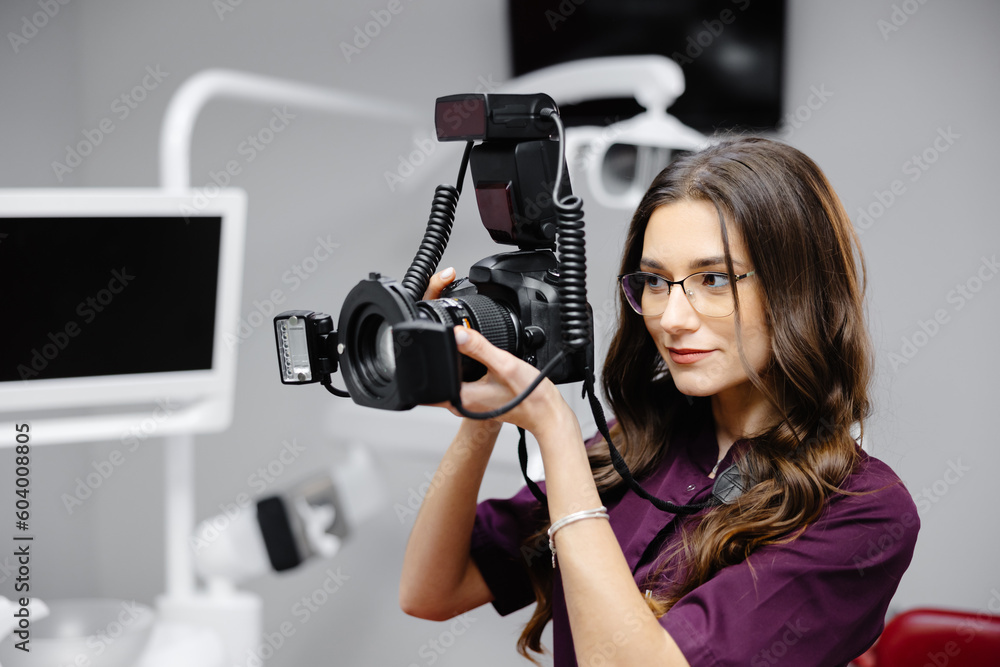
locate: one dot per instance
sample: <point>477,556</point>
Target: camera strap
<point>619,461</point>
<point>729,484</point>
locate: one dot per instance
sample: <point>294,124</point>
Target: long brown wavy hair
<point>808,258</point>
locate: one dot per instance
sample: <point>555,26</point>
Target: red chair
<point>936,638</point>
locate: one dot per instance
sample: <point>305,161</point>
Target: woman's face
<point>677,237</point>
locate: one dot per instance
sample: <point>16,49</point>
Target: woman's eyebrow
<point>695,264</point>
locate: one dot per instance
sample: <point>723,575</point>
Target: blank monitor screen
<point>731,53</point>
<point>97,296</point>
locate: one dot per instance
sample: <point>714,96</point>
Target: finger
<point>473,344</point>
<point>438,282</point>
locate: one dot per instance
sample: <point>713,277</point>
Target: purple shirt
<point>818,600</point>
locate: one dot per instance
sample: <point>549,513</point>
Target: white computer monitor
<point>118,309</point>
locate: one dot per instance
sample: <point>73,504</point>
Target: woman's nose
<point>678,313</point>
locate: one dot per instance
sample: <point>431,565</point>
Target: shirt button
<point>690,487</point>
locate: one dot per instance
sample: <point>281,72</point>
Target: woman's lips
<point>687,356</point>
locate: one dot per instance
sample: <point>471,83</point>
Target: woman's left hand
<point>506,377</point>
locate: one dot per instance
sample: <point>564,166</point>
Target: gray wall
<point>886,97</point>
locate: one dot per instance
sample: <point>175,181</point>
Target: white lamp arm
<point>654,81</point>
<point>189,99</point>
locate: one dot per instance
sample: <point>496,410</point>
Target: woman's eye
<point>655,282</point>
<point>715,280</point>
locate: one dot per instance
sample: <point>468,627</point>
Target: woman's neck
<point>740,412</point>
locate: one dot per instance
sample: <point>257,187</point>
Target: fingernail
<point>461,336</point>
<point>447,273</point>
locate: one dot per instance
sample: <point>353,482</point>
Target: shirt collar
<point>702,443</point>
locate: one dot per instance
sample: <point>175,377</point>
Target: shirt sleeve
<point>820,599</point>
<point>498,545</point>
<point>498,535</point>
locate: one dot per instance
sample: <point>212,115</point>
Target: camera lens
<point>378,311</point>
<point>375,354</point>
<point>491,318</point>
<point>385,358</point>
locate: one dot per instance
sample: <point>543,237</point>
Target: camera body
<point>527,282</point>
<point>397,351</point>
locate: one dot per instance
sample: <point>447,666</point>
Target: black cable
<point>435,240</point>
<point>552,362</point>
<point>542,374</point>
<point>436,236</point>
<point>572,255</point>
<point>464,166</point>
<point>572,262</point>
<point>333,390</point>
<point>572,282</point>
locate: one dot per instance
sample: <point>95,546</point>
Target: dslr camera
<point>396,350</point>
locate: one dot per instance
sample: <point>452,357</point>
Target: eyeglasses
<point>709,293</point>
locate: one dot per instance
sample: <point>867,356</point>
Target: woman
<point>764,365</point>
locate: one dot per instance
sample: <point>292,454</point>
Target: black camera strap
<point>729,484</point>
<point>722,491</point>
<point>522,455</point>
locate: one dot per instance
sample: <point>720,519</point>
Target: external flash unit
<point>303,346</point>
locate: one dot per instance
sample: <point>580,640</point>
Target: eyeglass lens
<point>708,293</point>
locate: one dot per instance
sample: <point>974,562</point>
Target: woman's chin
<point>689,388</point>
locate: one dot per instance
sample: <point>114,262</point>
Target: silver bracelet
<point>600,512</point>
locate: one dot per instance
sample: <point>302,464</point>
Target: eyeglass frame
<point>670,287</point>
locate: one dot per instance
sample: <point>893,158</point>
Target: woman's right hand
<point>438,282</point>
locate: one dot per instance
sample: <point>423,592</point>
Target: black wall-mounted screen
<point>97,296</point>
<point>731,52</point>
